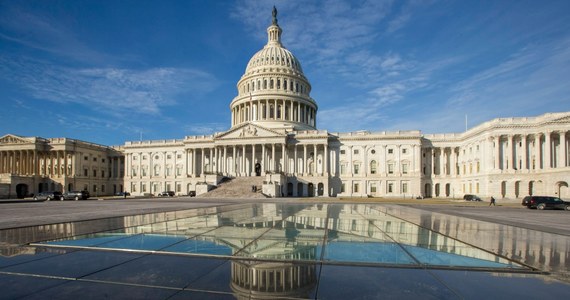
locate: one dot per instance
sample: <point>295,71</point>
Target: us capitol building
<point>274,144</point>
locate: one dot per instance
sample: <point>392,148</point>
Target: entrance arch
<point>257,169</point>
<point>427,190</point>
<point>289,189</point>
<point>447,189</point>
<point>300,189</point>
<point>437,189</point>
<point>531,188</point>
<point>517,189</point>
<point>320,189</point>
<point>311,189</point>
<point>21,190</point>
<point>503,188</point>
<point>70,187</point>
<point>562,189</point>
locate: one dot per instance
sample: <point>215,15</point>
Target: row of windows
<point>157,157</point>
<point>144,171</point>
<point>155,187</point>
<point>390,187</point>
<point>390,151</point>
<point>279,84</point>
<point>94,159</point>
<point>373,168</point>
<point>279,59</point>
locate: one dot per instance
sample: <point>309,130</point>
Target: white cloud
<point>112,89</point>
<point>205,129</point>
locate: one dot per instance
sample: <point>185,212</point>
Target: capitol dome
<point>273,91</point>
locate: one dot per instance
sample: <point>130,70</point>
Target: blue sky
<point>106,71</point>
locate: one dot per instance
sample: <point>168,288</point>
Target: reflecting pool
<point>256,251</point>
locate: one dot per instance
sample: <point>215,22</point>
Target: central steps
<point>239,187</point>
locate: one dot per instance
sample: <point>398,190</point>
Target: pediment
<point>249,131</point>
<point>13,139</point>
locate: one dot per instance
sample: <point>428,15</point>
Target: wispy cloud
<point>112,89</point>
<point>44,33</point>
<point>205,128</point>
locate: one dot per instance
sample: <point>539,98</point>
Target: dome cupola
<point>273,91</point>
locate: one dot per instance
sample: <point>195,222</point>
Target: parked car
<point>74,195</point>
<point>122,194</point>
<point>47,196</point>
<point>192,193</point>
<point>469,197</point>
<point>166,194</point>
<point>545,202</point>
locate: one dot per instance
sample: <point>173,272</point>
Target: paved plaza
<point>179,248</point>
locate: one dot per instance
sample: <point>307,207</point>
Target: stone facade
<point>29,165</point>
<point>273,134</point>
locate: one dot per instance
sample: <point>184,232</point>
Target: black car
<point>468,197</point>
<point>47,196</point>
<point>122,194</point>
<point>192,193</point>
<point>74,195</point>
<point>167,194</point>
<point>545,202</point>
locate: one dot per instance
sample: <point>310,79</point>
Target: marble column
<point>524,152</point>
<point>548,150</point>
<point>562,150</point>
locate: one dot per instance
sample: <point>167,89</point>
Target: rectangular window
<point>179,156</point>
<point>342,168</point>
<point>390,187</point>
<point>404,168</point>
<point>355,151</point>
<point>144,157</point>
<point>168,156</point>
<point>94,188</point>
<point>102,188</point>
<point>356,188</point>
<point>390,151</point>
<point>178,187</point>
<point>94,158</point>
<point>134,172</point>
<point>143,188</point>
<point>390,168</point>
<point>94,173</point>
<point>356,168</point>
<point>342,151</point>
<point>85,158</point>
<point>103,173</point>
<point>135,158</point>
<point>404,187</point>
<point>342,188</point>
<point>404,150</point>
<point>134,187</point>
<point>373,188</point>
<point>85,172</point>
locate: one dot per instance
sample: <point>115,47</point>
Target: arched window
<point>271,83</point>
<point>264,84</point>
<point>271,111</point>
<point>373,167</point>
<point>264,111</point>
<point>278,111</point>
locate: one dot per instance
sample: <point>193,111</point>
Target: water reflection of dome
<point>260,280</point>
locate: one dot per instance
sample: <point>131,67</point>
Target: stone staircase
<point>239,187</point>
